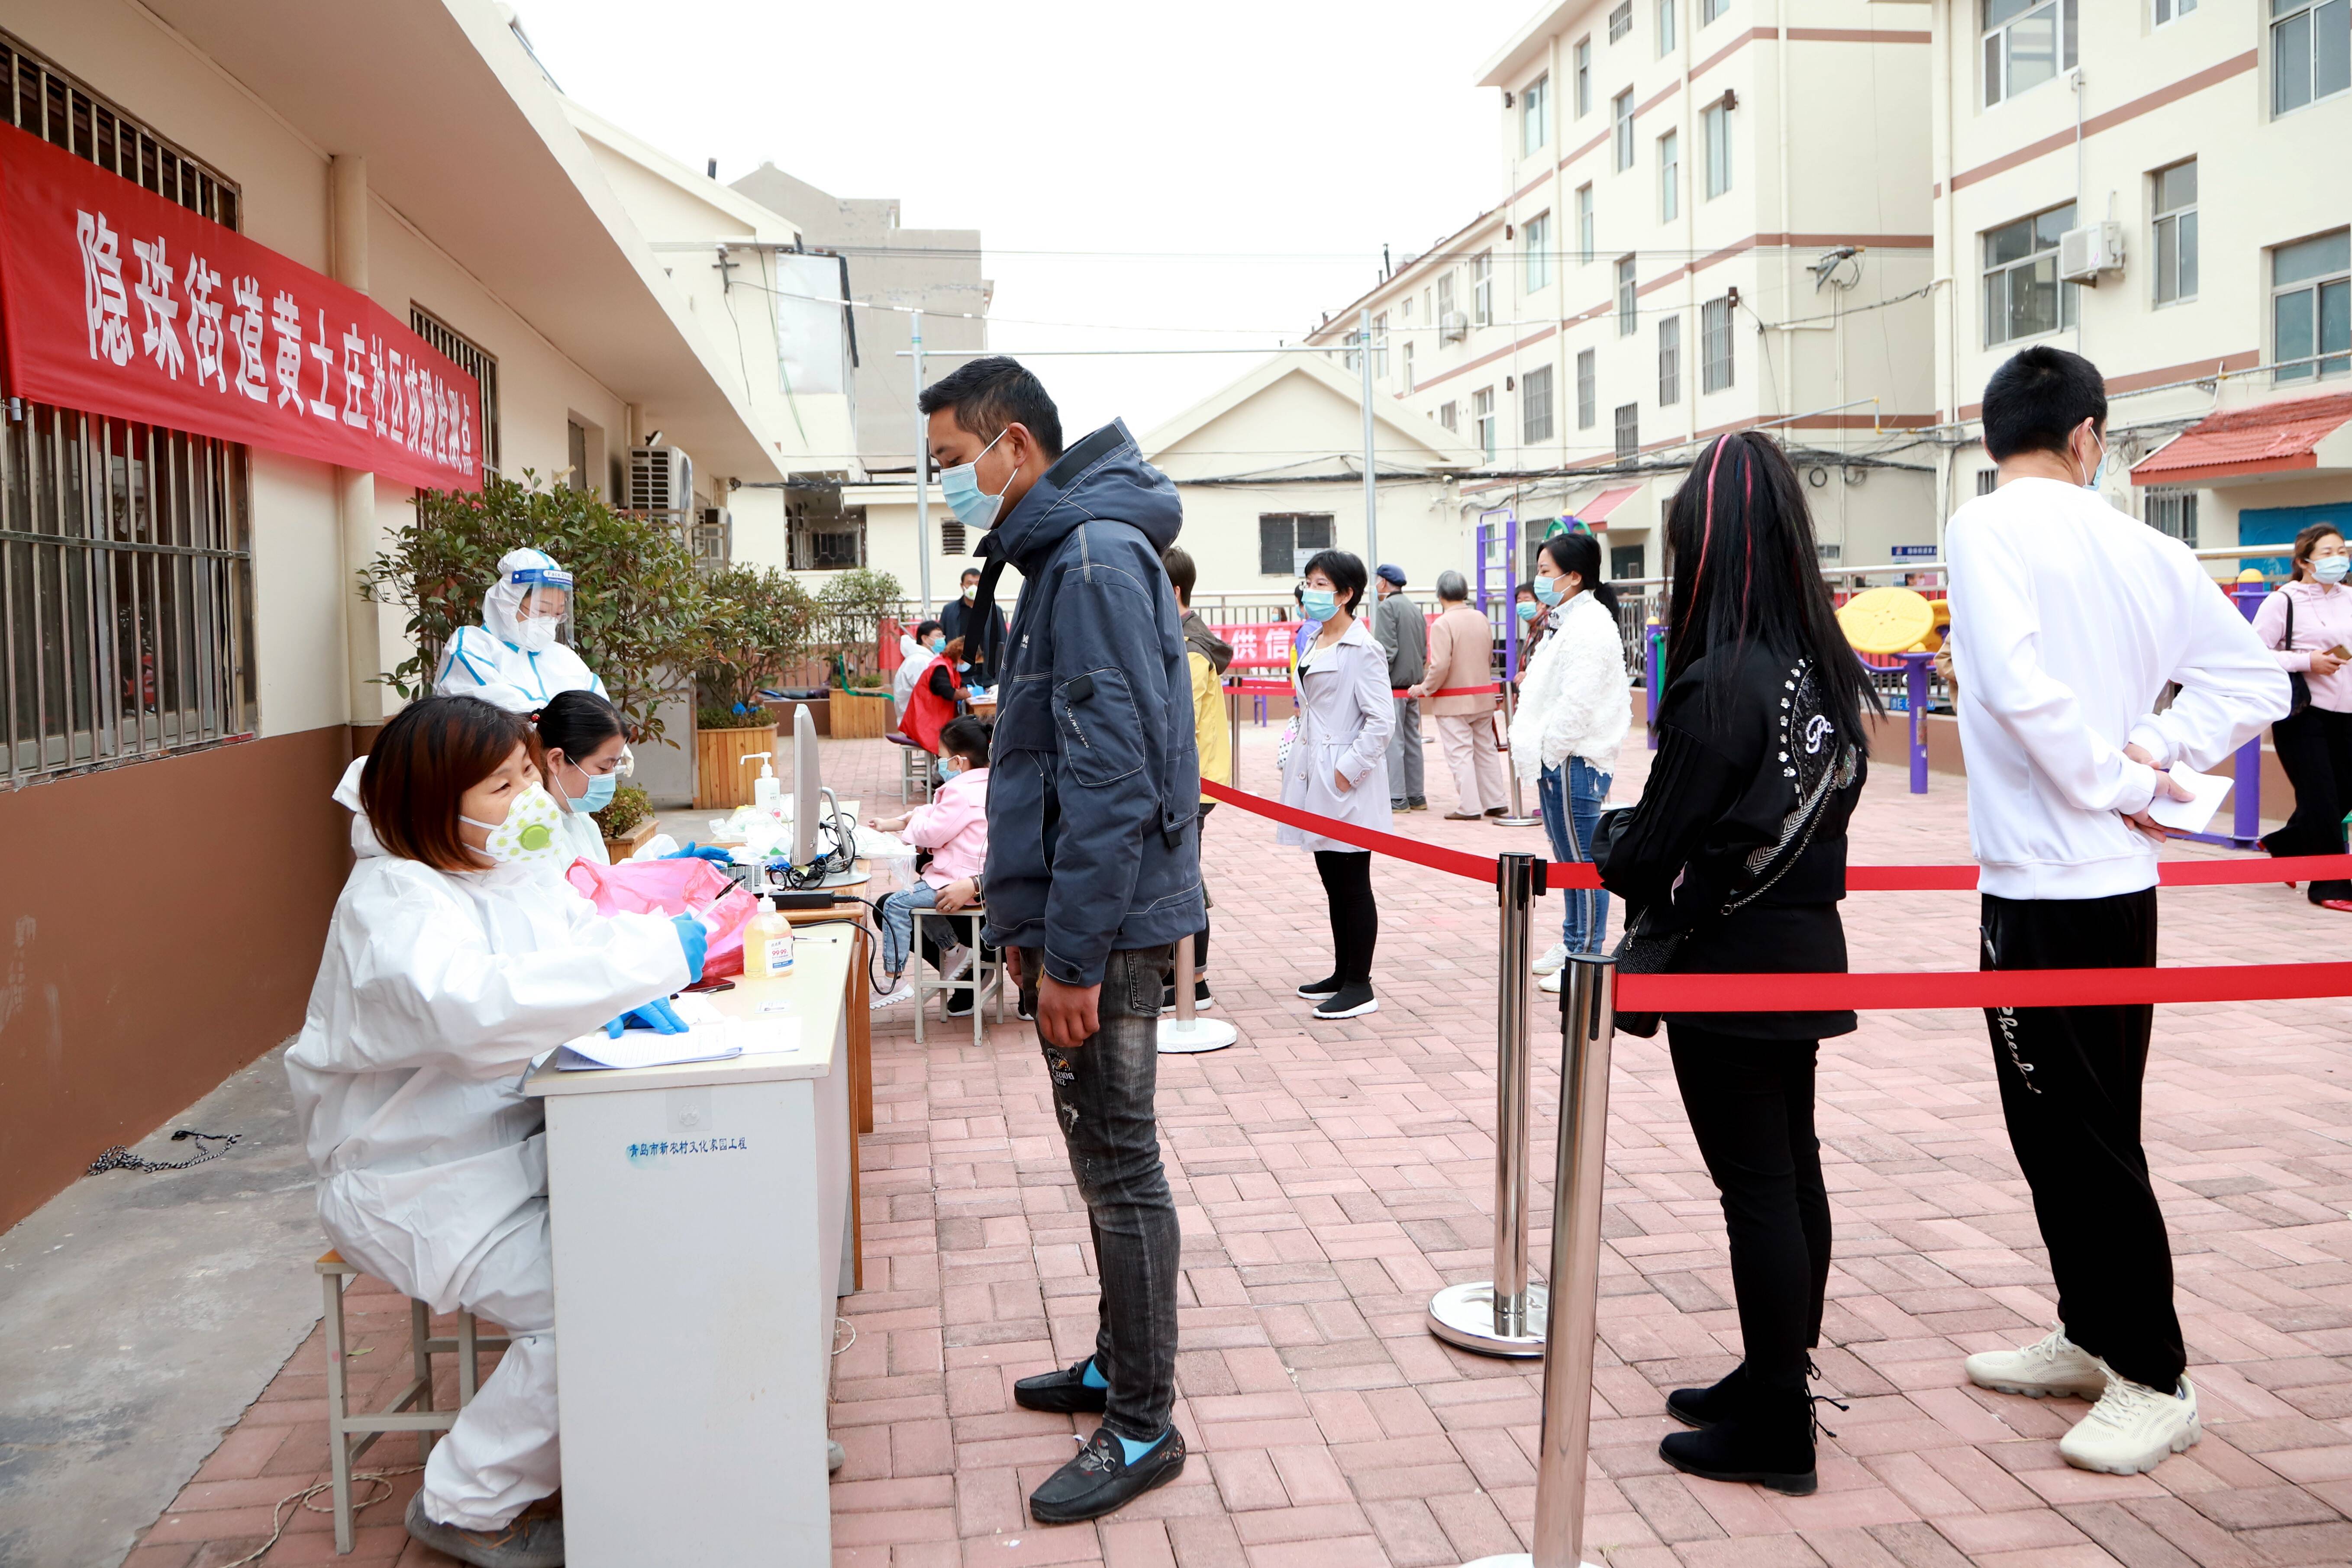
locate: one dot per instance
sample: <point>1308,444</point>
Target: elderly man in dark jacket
<point>1094,865</point>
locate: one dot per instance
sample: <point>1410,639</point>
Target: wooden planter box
<point>860,715</point>
<point>629,843</point>
<point>722,778</point>
<point>820,712</point>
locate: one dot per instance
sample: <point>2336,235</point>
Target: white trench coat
<point>1344,720</point>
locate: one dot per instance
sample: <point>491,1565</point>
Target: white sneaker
<point>2132,1428</point>
<point>1550,983</point>
<point>1554,957</point>
<point>954,961</point>
<point>902,992</point>
<point>2056,1365</point>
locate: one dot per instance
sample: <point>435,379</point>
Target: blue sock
<point>1136,1451</point>
<point>1092,1378</point>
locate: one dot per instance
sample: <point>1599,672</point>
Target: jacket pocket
<point>1100,730</point>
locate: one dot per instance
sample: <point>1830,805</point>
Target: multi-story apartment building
<point>1717,217</point>
<point>2077,152</point>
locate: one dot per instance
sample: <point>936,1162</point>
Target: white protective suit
<point>497,661</point>
<point>435,993</point>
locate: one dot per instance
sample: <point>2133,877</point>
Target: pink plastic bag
<point>674,887</point>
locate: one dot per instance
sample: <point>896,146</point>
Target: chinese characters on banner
<point>119,303</point>
<point>1266,645</point>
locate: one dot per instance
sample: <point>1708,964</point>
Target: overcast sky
<point>1148,172</point>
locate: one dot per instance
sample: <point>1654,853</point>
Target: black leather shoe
<point>1063,1393</point>
<point>1100,1480</point>
<point>1702,1408</point>
<point>1768,1441</point>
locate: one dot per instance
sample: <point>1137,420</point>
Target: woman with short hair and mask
<point>451,962</point>
<point>2307,623</point>
<point>512,658</point>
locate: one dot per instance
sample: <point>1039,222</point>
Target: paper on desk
<point>2190,816</point>
<point>707,1038</point>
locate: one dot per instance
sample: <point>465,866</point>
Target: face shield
<point>531,603</point>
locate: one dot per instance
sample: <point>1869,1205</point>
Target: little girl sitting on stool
<point>954,828</point>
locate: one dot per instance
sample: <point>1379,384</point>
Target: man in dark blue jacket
<point>1094,865</point>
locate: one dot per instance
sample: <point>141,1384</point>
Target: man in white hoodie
<point>2069,619</point>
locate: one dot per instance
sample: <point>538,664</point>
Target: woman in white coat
<point>447,970</point>
<point>1345,715</point>
<point>1575,705</point>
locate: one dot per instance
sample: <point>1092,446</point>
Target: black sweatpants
<point>1751,1104</point>
<point>1355,919</point>
<point>2070,1089</point>
<point>2315,748</point>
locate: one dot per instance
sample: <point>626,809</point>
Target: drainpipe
<point>1788,249</point>
<point>355,488</point>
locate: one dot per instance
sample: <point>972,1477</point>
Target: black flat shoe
<point>1702,1408</point>
<point>1063,1393</point>
<point>1315,990</point>
<point>1100,1480</point>
<point>1350,1002</point>
<point>1767,1441</point>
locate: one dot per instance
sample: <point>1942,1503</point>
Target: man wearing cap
<point>1401,629</point>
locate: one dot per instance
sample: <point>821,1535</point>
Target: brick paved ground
<point>1331,1176</point>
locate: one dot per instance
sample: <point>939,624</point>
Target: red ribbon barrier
<point>1680,992</point>
<point>1477,867</point>
<point>1282,689</point>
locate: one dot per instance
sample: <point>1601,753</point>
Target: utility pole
<point>922,478</point>
<point>1372,478</point>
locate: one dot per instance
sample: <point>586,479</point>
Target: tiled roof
<point>2269,437</point>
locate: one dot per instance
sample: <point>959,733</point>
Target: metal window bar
<point>126,604</point>
<point>59,110</point>
<point>476,362</point>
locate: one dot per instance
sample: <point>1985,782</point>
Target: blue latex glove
<point>657,1015</point>
<point>694,940</point>
<point>710,852</point>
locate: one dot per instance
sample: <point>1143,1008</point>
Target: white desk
<point>702,1229</point>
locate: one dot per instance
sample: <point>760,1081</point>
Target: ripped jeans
<point>1103,1099</point>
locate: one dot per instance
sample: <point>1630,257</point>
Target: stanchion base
<point>1516,821</point>
<point>1511,1560</point>
<point>1464,1315</point>
<point>1177,1038</point>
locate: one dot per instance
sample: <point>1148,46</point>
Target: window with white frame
<point>2022,295</point>
<point>1710,10</point>
<point>2172,10</point>
<point>1584,226</point>
<point>1621,120</point>
<point>1284,538</point>
<point>1715,344</point>
<point>1449,413</point>
<point>2311,51</point>
<point>1670,176</point>
<point>1629,430</point>
<point>1620,20</point>
<point>1380,345</point>
<point>1665,27</point>
<point>1627,296</point>
<point>1535,243</point>
<point>1588,391</point>
<point>1404,308</point>
<point>1988,480</point>
<point>1481,421</point>
<point>1715,120</point>
<point>2311,306</point>
<point>2026,43</point>
<point>1535,405</point>
<point>1482,288</point>
<point>1408,365</point>
<point>2173,512</point>
<point>1670,361</point>
<point>1535,116</point>
<point>1444,295</point>
<point>1583,56</point>
<point>2175,205</point>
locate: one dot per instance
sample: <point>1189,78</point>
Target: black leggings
<point>1355,919</point>
<point>1751,1104</point>
<point>2315,748</point>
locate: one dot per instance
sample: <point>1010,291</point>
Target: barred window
<point>476,362</point>
<point>1535,405</point>
<point>1715,344</point>
<point>2174,512</point>
<point>952,540</point>
<point>1629,430</point>
<point>126,564</point>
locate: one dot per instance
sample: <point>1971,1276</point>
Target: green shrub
<point>760,626</point>
<point>853,605</point>
<point>631,806</point>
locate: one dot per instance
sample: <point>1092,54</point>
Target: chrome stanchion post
<point>1587,1001</point>
<point>1518,817</point>
<point>1504,1315</point>
<point>1185,1035</point>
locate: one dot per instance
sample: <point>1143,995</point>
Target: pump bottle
<point>768,943</point>
<point>767,790</point>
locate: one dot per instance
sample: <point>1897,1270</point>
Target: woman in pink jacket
<point>2308,623</point>
<point>954,828</point>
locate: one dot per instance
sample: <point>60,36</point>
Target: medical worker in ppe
<point>512,658</point>
<point>450,963</point>
<point>587,753</point>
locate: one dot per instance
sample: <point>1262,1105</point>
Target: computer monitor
<point>806,786</point>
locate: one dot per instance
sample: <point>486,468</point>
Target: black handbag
<point>2298,683</point>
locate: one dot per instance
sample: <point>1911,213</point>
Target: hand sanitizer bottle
<point>768,943</point>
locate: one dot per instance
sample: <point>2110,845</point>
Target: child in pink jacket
<point>954,828</point>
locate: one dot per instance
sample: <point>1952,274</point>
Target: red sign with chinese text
<point>119,303</point>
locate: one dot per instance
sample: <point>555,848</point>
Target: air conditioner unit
<point>713,539</point>
<point>661,479</point>
<point>1452,327</point>
<point>2084,253</point>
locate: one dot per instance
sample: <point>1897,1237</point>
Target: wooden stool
<point>412,1410</point>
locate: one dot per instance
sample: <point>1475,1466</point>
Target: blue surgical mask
<point>949,767</point>
<point>963,664</point>
<point>1529,609</point>
<point>939,645</point>
<point>1319,604</point>
<point>1547,589</point>
<point>2099,472</point>
<point>2331,568</point>
<point>601,788</point>
<point>973,507</point>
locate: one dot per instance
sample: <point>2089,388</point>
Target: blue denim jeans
<point>898,924</point>
<point>1575,792</point>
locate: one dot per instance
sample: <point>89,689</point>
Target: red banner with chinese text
<point>119,303</point>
